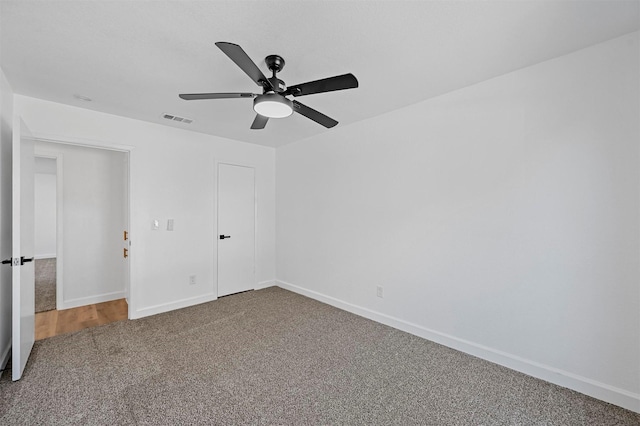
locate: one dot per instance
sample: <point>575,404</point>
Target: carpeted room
<point>495,206</point>
<point>275,357</point>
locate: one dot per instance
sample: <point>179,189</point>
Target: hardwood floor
<point>53,323</point>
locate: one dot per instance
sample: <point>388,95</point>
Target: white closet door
<point>236,229</point>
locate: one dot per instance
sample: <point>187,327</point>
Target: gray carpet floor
<point>275,357</point>
<point>45,271</point>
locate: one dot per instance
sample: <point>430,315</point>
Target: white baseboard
<point>166,307</point>
<point>6,354</point>
<point>45,256</point>
<point>90,300</point>
<point>595,389</point>
<point>265,284</point>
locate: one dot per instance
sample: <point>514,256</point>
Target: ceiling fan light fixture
<point>272,105</point>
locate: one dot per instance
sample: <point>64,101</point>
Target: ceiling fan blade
<point>259,122</point>
<point>314,115</point>
<point>196,96</point>
<point>339,82</point>
<point>241,59</point>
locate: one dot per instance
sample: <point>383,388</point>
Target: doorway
<point>236,228</point>
<point>92,215</point>
<point>45,230</point>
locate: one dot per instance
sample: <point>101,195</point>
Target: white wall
<point>6,120</point>
<point>92,220</point>
<point>172,176</point>
<point>501,219</point>
<point>45,211</point>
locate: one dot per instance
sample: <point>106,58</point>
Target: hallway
<point>54,322</point>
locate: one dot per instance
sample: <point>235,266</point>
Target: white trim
<point>132,294</point>
<point>215,227</point>
<point>166,307</point>
<point>127,228</point>
<point>265,284</point>
<point>4,358</point>
<point>44,256</point>
<point>90,300</point>
<point>88,143</point>
<point>593,388</point>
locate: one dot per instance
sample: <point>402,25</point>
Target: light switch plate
<point>155,225</point>
<point>170,225</point>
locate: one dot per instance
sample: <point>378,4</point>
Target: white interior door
<point>23,248</point>
<point>236,229</point>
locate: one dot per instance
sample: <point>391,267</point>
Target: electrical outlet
<point>379,291</point>
<point>170,225</point>
<point>192,280</point>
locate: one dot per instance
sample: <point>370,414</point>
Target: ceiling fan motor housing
<point>277,84</point>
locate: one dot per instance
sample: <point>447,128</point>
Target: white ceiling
<point>134,57</point>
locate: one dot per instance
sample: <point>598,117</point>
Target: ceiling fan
<point>273,102</point>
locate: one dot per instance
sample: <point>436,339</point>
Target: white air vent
<point>176,118</point>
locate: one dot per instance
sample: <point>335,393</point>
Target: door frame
<point>130,292</point>
<point>59,157</point>
<point>255,219</point>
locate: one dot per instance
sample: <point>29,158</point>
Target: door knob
<point>222,237</point>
